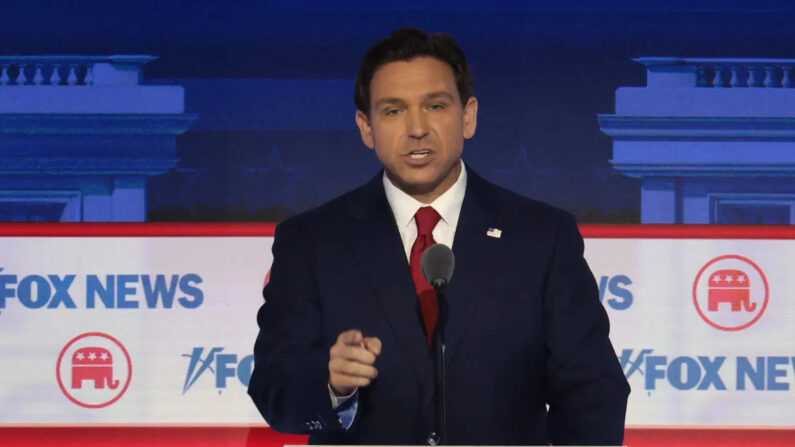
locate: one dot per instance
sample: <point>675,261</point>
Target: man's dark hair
<point>404,45</point>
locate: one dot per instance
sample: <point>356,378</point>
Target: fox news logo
<point>730,293</point>
<point>101,291</point>
<point>719,373</point>
<point>223,366</point>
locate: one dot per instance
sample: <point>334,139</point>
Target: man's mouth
<point>419,154</point>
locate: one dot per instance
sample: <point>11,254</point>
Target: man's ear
<point>365,129</point>
<point>470,117</point>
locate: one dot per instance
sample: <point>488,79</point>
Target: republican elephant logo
<point>731,292</point>
<point>94,370</point>
<point>732,287</point>
<point>95,364</point>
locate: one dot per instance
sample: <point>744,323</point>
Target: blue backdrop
<point>268,98</point>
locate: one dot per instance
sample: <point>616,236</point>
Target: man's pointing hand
<point>351,362</point>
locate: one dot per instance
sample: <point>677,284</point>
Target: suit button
<point>433,438</point>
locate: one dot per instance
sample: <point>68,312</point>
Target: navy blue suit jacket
<point>525,329</point>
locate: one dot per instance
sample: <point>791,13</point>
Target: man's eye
<point>436,107</point>
<point>391,112</point>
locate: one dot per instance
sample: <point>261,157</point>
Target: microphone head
<point>438,264</point>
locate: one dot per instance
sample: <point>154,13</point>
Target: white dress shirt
<point>404,207</point>
<point>448,205</point>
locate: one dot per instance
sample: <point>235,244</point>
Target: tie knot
<point>426,219</point>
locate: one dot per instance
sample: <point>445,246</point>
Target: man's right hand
<point>351,362</point>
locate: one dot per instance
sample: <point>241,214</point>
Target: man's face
<point>417,125</point>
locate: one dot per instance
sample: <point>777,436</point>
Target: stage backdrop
<point>154,324</point>
<point>619,112</point>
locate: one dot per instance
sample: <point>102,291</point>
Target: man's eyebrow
<point>428,97</point>
<point>383,101</point>
<point>436,95</point>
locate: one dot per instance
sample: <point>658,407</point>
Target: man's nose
<point>417,124</point>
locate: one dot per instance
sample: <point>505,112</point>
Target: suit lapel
<point>477,257</point>
<point>376,245</point>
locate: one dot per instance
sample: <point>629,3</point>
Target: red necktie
<point>426,219</point>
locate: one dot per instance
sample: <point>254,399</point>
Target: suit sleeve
<point>290,377</point>
<point>587,388</point>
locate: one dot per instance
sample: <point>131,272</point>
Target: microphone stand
<point>438,263</point>
<point>439,353</point>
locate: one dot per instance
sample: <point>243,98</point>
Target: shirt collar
<point>448,205</point>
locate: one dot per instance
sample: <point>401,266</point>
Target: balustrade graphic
<point>45,71</point>
<point>728,72</point>
<point>61,70</point>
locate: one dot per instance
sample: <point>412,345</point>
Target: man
<point>343,351</point>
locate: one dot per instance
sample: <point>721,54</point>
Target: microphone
<point>438,264</point>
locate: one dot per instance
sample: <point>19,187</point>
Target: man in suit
<point>344,349</point>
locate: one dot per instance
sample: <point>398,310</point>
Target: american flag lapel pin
<point>494,232</point>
